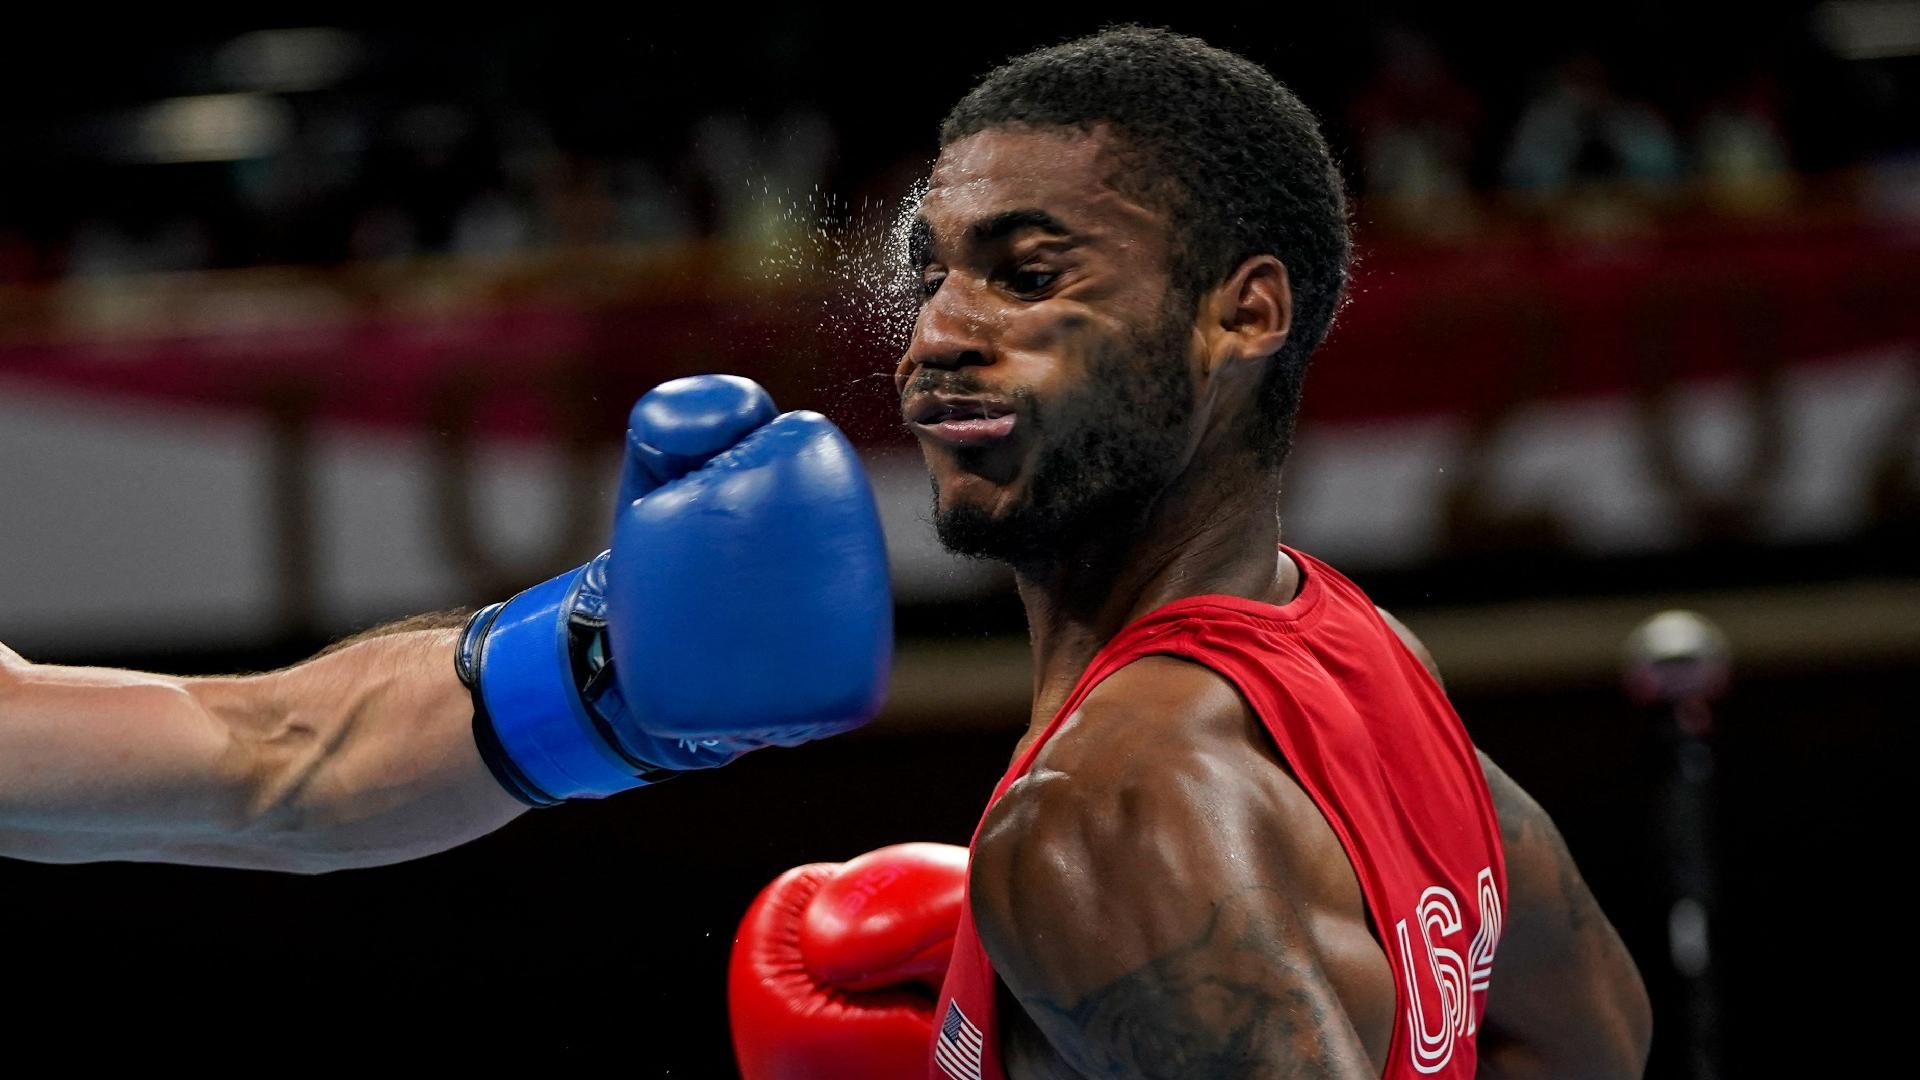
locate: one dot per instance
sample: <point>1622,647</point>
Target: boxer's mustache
<point>950,384</point>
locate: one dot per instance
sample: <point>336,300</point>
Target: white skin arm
<point>360,756</point>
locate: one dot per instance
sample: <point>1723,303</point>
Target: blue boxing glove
<point>744,603</point>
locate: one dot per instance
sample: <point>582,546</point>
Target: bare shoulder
<point>1538,862</point>
<point>1164,746</point>
<point>1140,867</point>
<point>1159,731</point>
<point>1524,826</point>
<point>1156,703</point>
<point>1413,643</point>
<point>1549,899</point>
<point>1154,779</point>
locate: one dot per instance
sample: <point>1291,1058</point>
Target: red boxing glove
<point>837,966</point>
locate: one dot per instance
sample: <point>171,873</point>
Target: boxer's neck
<point>1214,531</point>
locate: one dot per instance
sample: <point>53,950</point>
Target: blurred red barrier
<point>1466,330</point>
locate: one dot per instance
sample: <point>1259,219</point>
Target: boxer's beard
<point>1106,453</point>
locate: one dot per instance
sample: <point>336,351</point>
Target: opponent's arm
<point>1566,1000</point>
<point>1143,916</point>
<point>363,755</point>
<point>744,603</point>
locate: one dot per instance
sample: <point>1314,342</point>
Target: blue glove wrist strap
<point>485,738</point>
<point>530,721</point>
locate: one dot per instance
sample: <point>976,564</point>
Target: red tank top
<point>1373,741</point>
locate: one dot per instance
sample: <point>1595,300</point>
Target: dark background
<point>597,934</point>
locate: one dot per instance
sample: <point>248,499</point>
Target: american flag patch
<point>957,1050</point>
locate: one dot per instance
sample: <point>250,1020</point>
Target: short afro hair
<point>1241,168</point>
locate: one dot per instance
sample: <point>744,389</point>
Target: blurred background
<point>306,328</point>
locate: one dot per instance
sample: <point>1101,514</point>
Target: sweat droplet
<point>860,254</point>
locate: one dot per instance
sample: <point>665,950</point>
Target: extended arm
<point>744,603</point>
<point>1147,919</point>
<point>361,756</point>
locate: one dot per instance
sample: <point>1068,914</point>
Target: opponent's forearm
<point>611,676</point>
<point>98,750</point>
<point>361,756</point>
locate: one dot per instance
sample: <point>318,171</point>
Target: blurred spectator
<point>1578,131</point>
<point>492,223</point>
<point>1740,148</point>
<point>1417,129</point>
<point>379,144</point>
<point>384,231</point>
<point>575,203</point>
<point>101,247</point>
<point>436,162</point>
<point>648,210</point>
<point>762,177</point>
<point>295,201</point>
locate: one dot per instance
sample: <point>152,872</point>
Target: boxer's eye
<point>930,284</point>
<point>1028,282</point>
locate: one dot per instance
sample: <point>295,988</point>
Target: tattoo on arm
<point>1235,1001</point>
<point>1566,998</point>
<point>1528,831</point>
<point>1581,907</point>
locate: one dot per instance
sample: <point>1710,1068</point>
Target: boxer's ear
<point>1251,313</point>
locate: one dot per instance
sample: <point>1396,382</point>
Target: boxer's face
<point>1050,374</point>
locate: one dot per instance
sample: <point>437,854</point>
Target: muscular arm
<point>1566,999</point>
<point>1145,918</point>
<point>363,755</point>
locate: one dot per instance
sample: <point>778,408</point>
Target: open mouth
<point>963,421</point>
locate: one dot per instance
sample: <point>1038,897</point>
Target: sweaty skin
<point>1263,962</point>
<point>1159,897</point>
<point>1199,916</point>
<point>361,756</point>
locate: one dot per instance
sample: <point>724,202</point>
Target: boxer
<point>743,603</point>
<point>1245,835</point>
